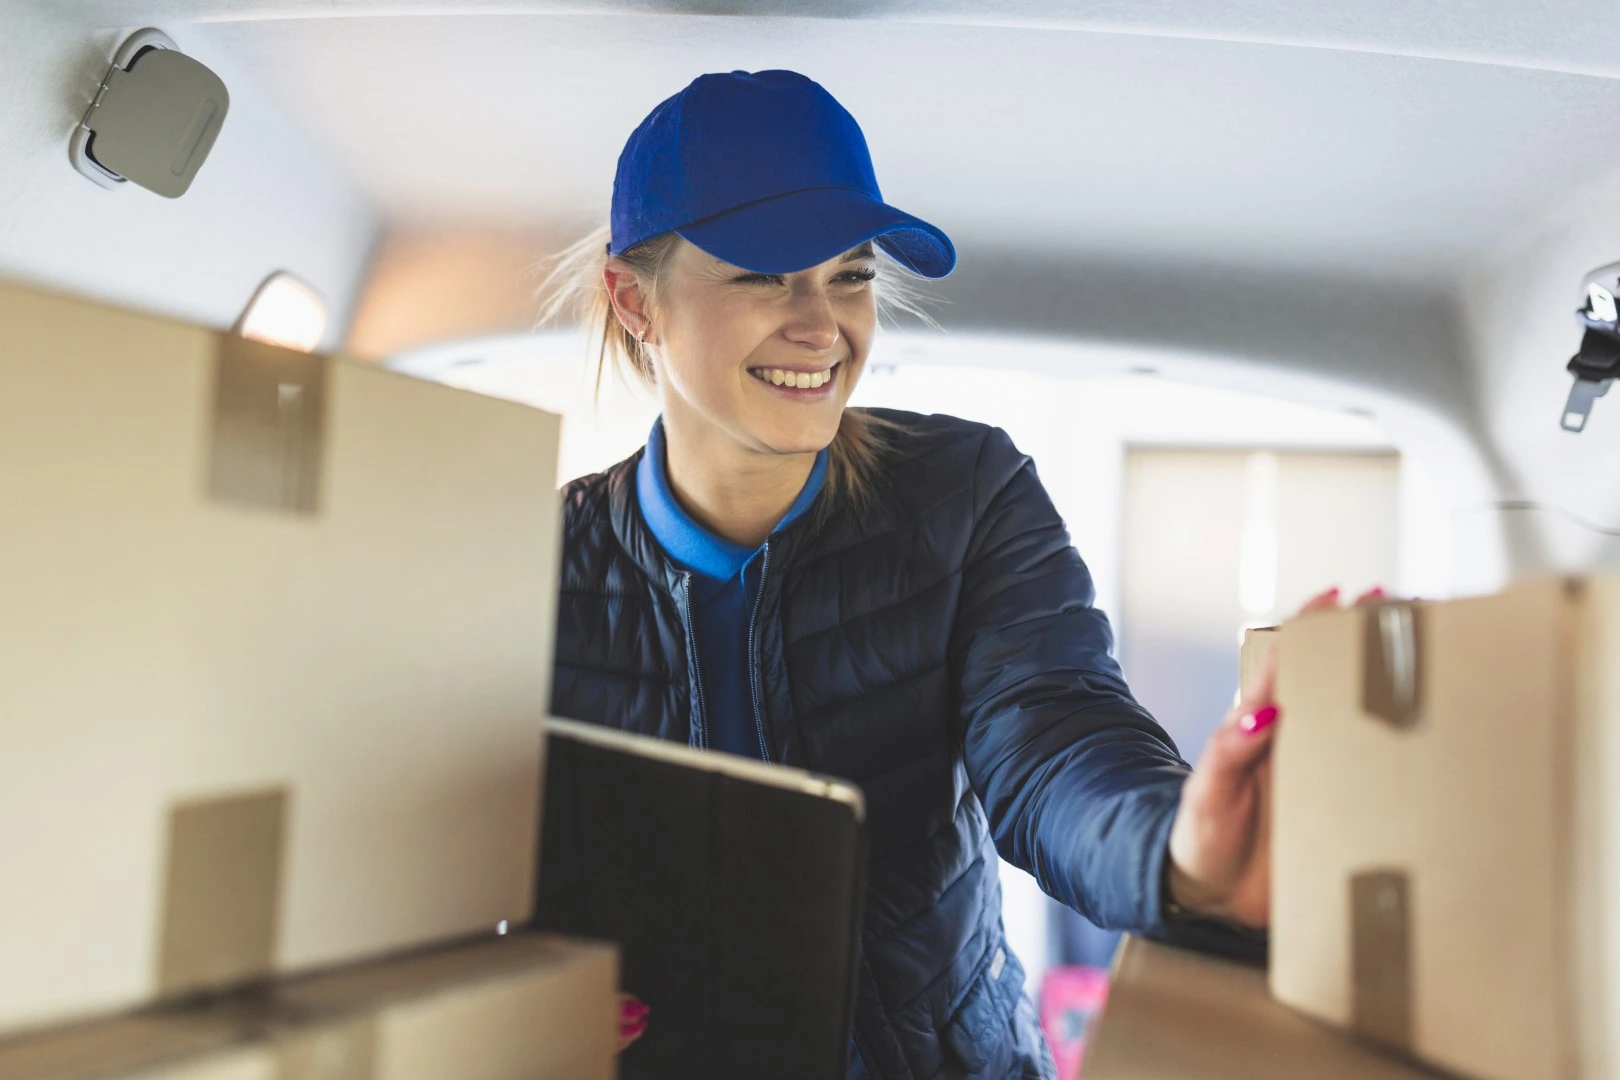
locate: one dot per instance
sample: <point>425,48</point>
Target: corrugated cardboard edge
<point>1590,848</point>
<point>222,893</point>
<point>1257,640</point>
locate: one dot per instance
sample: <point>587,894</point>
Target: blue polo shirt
<point>725,584</point>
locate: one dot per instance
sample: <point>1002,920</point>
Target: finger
<point>1322,601</point>
<point>1224,788</point>
<point>1244,736</point>
<point>1251,899</point>
<point>1242,743</point>
<point>1245,740</point>
<point>1261,689</point>
<point>1371,596</point>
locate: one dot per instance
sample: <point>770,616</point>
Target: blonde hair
<point>571,289</point>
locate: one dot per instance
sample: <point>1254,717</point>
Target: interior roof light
<point>284,311</point>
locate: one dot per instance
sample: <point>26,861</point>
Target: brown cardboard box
<point>277,640</point>
<point>1256,640</point>
<point>517,1008</point>
<point>1446,857</point>
<point>1176,1015</point>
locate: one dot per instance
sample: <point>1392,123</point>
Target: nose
<point>812,322</point>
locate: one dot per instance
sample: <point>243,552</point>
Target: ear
<point>629,299</point>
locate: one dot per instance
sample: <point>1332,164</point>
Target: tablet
<point>733,888</point>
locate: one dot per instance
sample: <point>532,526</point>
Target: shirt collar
<point>688,542</point>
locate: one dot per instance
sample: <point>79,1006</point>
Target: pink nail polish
<point>1256,722</point>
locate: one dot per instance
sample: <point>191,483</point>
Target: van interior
<point>1277,296</point>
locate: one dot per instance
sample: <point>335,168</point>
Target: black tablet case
<point>736,905</point>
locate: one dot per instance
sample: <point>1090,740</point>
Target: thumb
<point>1244,739</point>
<point>1240,744</point>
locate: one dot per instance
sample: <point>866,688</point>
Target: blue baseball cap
<point>766,171</point>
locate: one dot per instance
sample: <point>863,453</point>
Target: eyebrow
<point>863,252</point>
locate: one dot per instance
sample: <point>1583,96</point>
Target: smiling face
<point>766,361</point>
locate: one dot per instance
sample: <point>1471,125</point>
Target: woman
<point>876,595</point>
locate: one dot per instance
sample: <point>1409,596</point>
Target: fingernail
<point>1256,722</point>
<point>636,1011</point>
<point>1376,590</point>
<point>630,1031</point>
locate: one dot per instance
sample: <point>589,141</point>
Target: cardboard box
<point>1177,1015</point>
<point>277,635</point>
<point>1446,858</point>
<point>1256,640</point>
<point>526,1007</point>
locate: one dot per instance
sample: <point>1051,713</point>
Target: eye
<point>757,279</point>
<point>856,277</point>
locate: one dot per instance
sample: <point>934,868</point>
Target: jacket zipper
<point>753,688</point>
<point>865,1066</point>
<point>753,663</point>
<point>692,659</point>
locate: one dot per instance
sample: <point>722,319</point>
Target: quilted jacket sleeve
<point>1079,783</point>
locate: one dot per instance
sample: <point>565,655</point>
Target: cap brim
<point>804,228</point>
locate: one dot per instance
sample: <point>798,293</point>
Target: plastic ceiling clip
<point>153,119</point>
<point>79,144</point>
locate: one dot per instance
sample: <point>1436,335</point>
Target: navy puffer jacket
<point>943,653</point>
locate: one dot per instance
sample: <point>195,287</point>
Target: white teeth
<point>803,380</point>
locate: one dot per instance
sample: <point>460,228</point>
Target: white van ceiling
<point>1379,141</point>
<point>1386,200</point>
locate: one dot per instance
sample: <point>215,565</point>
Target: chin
<point>809,435</point>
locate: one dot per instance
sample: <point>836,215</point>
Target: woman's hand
<point>632,1020</point>
<point>1220,844</point>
